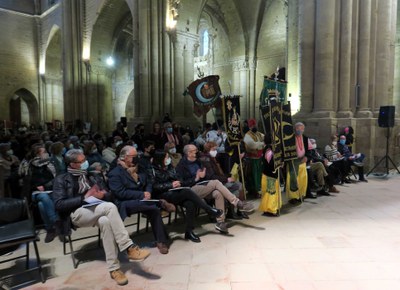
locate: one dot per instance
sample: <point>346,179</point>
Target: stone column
<point>236,78</point>
<point>306,54</point>
<point>243,89</point>
<point>253,96</point>
<point>383,57</point>
<point>364,59</point>
<point>292,72</point>
<point>136,58</point>
<point>167,99</point>
<point>345,91</point>
<point>178,104</point>
<point>72,65</point>
<point>324,58</point>
<point>188,56</point>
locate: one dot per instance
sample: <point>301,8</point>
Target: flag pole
<point>241,172</point>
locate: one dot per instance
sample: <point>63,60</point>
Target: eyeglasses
<point>80,162</point>
<point>133,156</point>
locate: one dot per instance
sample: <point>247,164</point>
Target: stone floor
<point>350,240</point>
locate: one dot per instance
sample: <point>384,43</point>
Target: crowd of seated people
<point>171,164</point>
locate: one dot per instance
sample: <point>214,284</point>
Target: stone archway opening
<point>24,108</point>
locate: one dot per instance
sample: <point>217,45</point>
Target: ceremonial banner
<point>273,91</point>
<point>272,119</point>
<point>205,93</point>
<point>277,120</point>
<point>231,115</point>
<point>289,141</point>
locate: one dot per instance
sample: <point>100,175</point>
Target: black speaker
<point>386,116</point>
<point>123,121</point>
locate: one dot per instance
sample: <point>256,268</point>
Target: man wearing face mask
<point>130,187</point>
<point>71,192</point>
<point>147,156</point>
<point>214,171</point>
<point>168,135</point>
<point>138,136</point>
<point>109,152</point>
<point>331,172</point>
<point>254,143</point>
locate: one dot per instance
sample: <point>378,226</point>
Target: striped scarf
<point>82,180</point>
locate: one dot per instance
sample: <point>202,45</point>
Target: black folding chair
<point>17,228</point>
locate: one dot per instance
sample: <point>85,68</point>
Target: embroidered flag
<point>231,115</point>
<point>205,93</point>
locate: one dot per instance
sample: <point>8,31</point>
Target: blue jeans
<point>46,209</point>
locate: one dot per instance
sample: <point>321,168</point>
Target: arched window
<point>204,43</point>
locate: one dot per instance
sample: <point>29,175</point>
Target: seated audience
<point>315,158</point>
<point>155,135</point>
<point>171,150</point>
<point>108,153</point>
<point>130,188</point>
<point>213,171</point>
<point>352,159</point>
<point>42,173</point>
<point>10,165</point>
<point>338,161</point>
<point>57,151</point>
<point>71,190</point>
<point>146,157</point>
<point>193,174</point>
<point>92,154</point>
<point>167,184</point>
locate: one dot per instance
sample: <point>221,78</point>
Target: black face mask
<point>152,151</point>
<point>135,160</point>
<point>254,129</point>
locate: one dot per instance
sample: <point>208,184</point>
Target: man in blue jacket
<point>132,192</point>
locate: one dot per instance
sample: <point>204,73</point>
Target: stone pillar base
<point>344,114</point>
<point>324,114</point>
<point>364,114</point>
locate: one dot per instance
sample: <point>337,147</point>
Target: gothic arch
<point>20,100</point>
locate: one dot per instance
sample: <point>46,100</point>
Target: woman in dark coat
<point>168,185</point>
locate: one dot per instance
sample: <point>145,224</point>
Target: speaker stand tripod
<point>386,157</point>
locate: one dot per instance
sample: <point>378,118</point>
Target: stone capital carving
<point>240,65</point>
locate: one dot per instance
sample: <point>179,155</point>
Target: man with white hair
<point>193,174</point>
<point>130,188</point>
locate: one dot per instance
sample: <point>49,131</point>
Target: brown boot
<point>136,254</point>
<point>119,277</point>
<point>333,189</point>
<point>165,205</point>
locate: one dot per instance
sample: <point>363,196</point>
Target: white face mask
<point>213,153</point>
<point>118,143</point>
<point>168,161</point>
<point>45,156</point>
<point>85,165</point>
<point>172,150</point>
<point>10,152</point>
<point>314,146</point>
